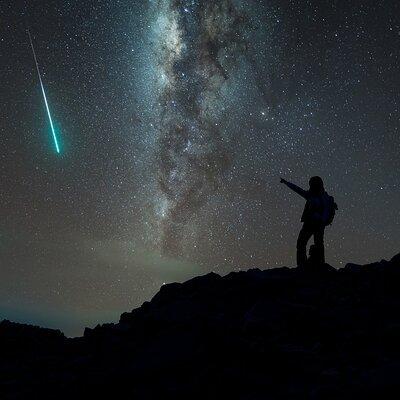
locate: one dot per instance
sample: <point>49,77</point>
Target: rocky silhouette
<point>313,332</point>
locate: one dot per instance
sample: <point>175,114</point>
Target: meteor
<point>44,96</point>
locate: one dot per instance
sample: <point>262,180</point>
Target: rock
<point>312,332</point>
<point>395,260</point>
<point>350,267</point>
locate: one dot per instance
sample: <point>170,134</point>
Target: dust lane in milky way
<point>199,44</point>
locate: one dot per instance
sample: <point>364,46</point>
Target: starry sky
<point>176,120</point>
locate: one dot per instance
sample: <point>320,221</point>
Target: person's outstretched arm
<point>295,188</point>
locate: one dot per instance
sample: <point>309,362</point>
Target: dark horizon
<point>176,121</point>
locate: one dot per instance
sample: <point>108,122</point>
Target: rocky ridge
<point>315,333</point>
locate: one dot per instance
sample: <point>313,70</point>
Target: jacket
<point>316,207</point>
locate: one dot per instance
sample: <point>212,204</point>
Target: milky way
<point>199,43</point>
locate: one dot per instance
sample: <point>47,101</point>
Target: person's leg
<point>319,243</point>
<point>302,241</point>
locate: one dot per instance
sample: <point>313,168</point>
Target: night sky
<point>176,120</point>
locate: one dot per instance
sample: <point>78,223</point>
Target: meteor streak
<point>44,95</point>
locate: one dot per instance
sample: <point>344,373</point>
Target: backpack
<point>330,210</point>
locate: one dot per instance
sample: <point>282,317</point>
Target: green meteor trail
<point>44,96</point>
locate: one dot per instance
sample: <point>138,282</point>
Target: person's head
<point>316,185</point>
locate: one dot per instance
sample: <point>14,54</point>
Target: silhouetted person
<point>319,211</point>
<point>314,256</point>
